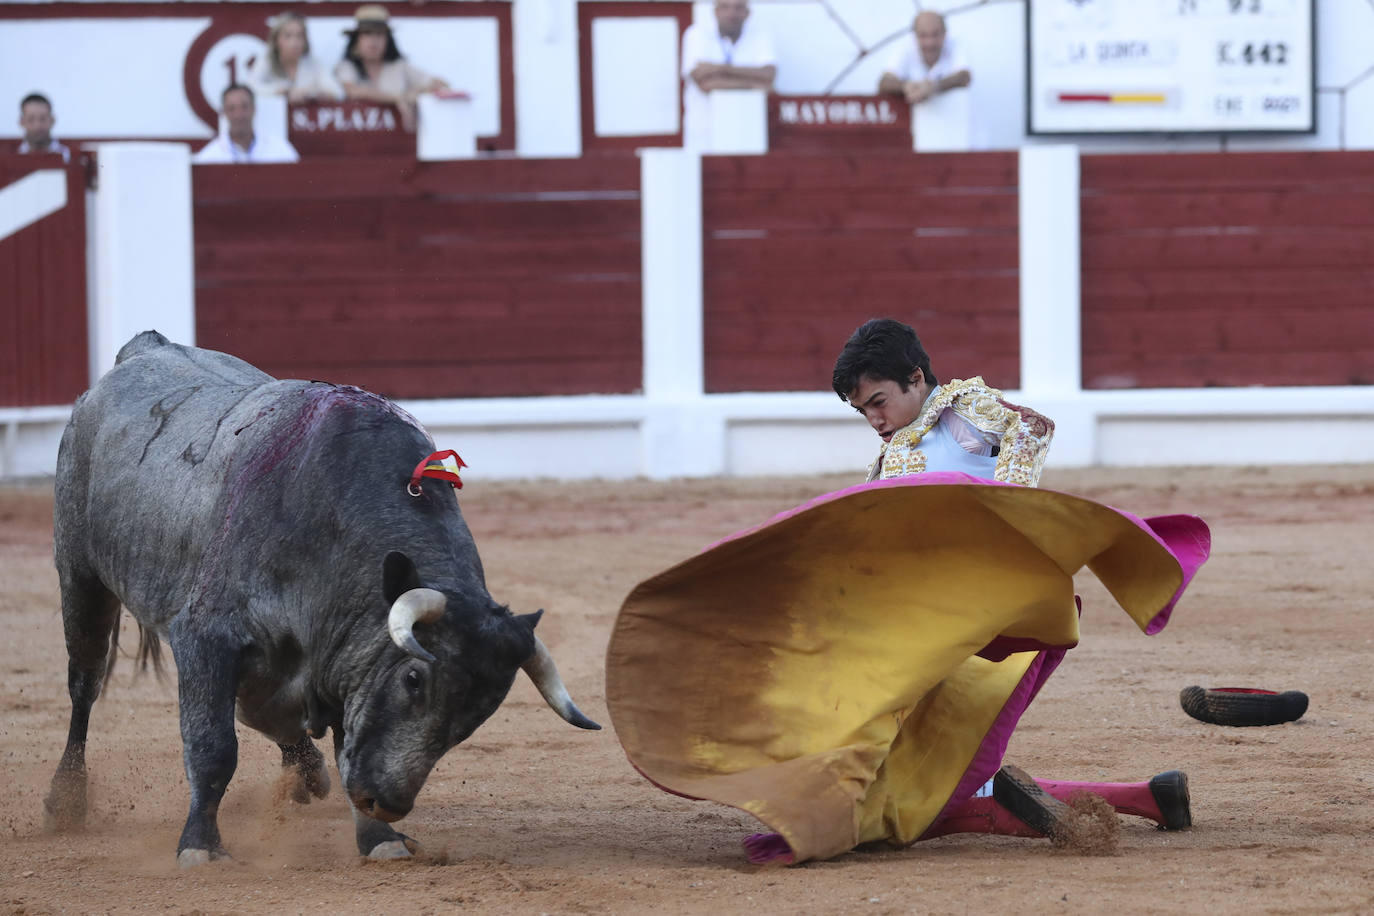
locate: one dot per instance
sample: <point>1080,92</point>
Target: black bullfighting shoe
<point>1170,791</point>
<point>1014,790</point>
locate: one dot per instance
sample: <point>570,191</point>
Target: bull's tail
<point>149,650</point>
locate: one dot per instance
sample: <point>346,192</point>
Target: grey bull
<point>270,532</point>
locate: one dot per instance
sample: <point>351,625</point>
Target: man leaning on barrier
<point>926,63</point>
<point>726,54</point>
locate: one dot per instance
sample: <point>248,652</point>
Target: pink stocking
<point>979,815</point>
<point>1126,797</point>
<point>986,815</point>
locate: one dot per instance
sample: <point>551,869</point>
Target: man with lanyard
<point>239,143</point>
<point>721,55</point>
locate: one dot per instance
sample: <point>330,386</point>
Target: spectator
<point>722,55</point>
<point>288,69</point>
<point>35,117</point>
<point>374,70</point>
<point>925,64</point>
<point>238,142</point>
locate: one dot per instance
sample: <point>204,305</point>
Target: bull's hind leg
<point>306,762</point>
<point>90,614</point>
<point>207,681</point>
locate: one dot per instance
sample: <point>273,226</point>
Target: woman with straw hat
<point>373,68</point>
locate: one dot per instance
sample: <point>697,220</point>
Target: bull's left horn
<point>418,605</point>
<point>544,673</point>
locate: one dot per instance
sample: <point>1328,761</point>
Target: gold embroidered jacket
<point>1024,435</point>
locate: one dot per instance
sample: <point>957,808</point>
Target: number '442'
<point>1251,53</point>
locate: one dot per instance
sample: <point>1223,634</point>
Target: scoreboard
<point>1169,66</point>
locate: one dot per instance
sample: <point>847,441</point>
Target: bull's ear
<point>529,620</point>
<point>399,575</point>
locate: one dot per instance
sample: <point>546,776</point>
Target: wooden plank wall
<point>1233,269</point>
<point>802,248</point>
<point>43,351</point>
<point>501,277</point>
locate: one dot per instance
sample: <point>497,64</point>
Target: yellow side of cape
<point>820,671</point>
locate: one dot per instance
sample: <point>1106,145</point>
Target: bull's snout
<point>370,806</point>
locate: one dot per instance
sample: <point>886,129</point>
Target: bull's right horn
<point>418,605</point>
<point>544,673</point>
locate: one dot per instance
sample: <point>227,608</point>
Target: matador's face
<point>884,404</point>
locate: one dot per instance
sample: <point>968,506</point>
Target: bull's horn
<point>418,605</point>
<point>544,673</point>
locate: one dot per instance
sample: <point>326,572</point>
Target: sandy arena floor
<point>534,816</point>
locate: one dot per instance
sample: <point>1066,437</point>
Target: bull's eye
<point>413,681</point>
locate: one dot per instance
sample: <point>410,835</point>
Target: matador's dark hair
<point>881,348</point>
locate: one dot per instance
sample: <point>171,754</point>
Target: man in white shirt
<point>238,143</point>
<point>35,117</point>
<point>721,55</point>
<point>925,64</point>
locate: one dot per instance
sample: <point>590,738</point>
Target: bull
<point>280,536</point>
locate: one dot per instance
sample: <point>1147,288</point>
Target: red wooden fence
<point>43,352</point>
<point>494,277</point>
<point>1239,269</point>
<point>801,249</point>
<point>517,277</point>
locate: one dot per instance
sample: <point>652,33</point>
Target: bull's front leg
<point>304,762</point>
<point>376,839</point>
<point>207,683</point>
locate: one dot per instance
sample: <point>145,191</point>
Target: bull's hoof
<point>64,810</point>
<point>304,771</point>
<point>190,858</point>
<point>392,849</point>
<point>399,846</point>
<point>309,783</point>
<point>317,781</point>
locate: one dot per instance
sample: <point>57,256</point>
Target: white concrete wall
<point>29,437</point>
<point>144,264</point>
<point>548,108</point>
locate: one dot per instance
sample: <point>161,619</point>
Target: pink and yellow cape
<point>854,667</point>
